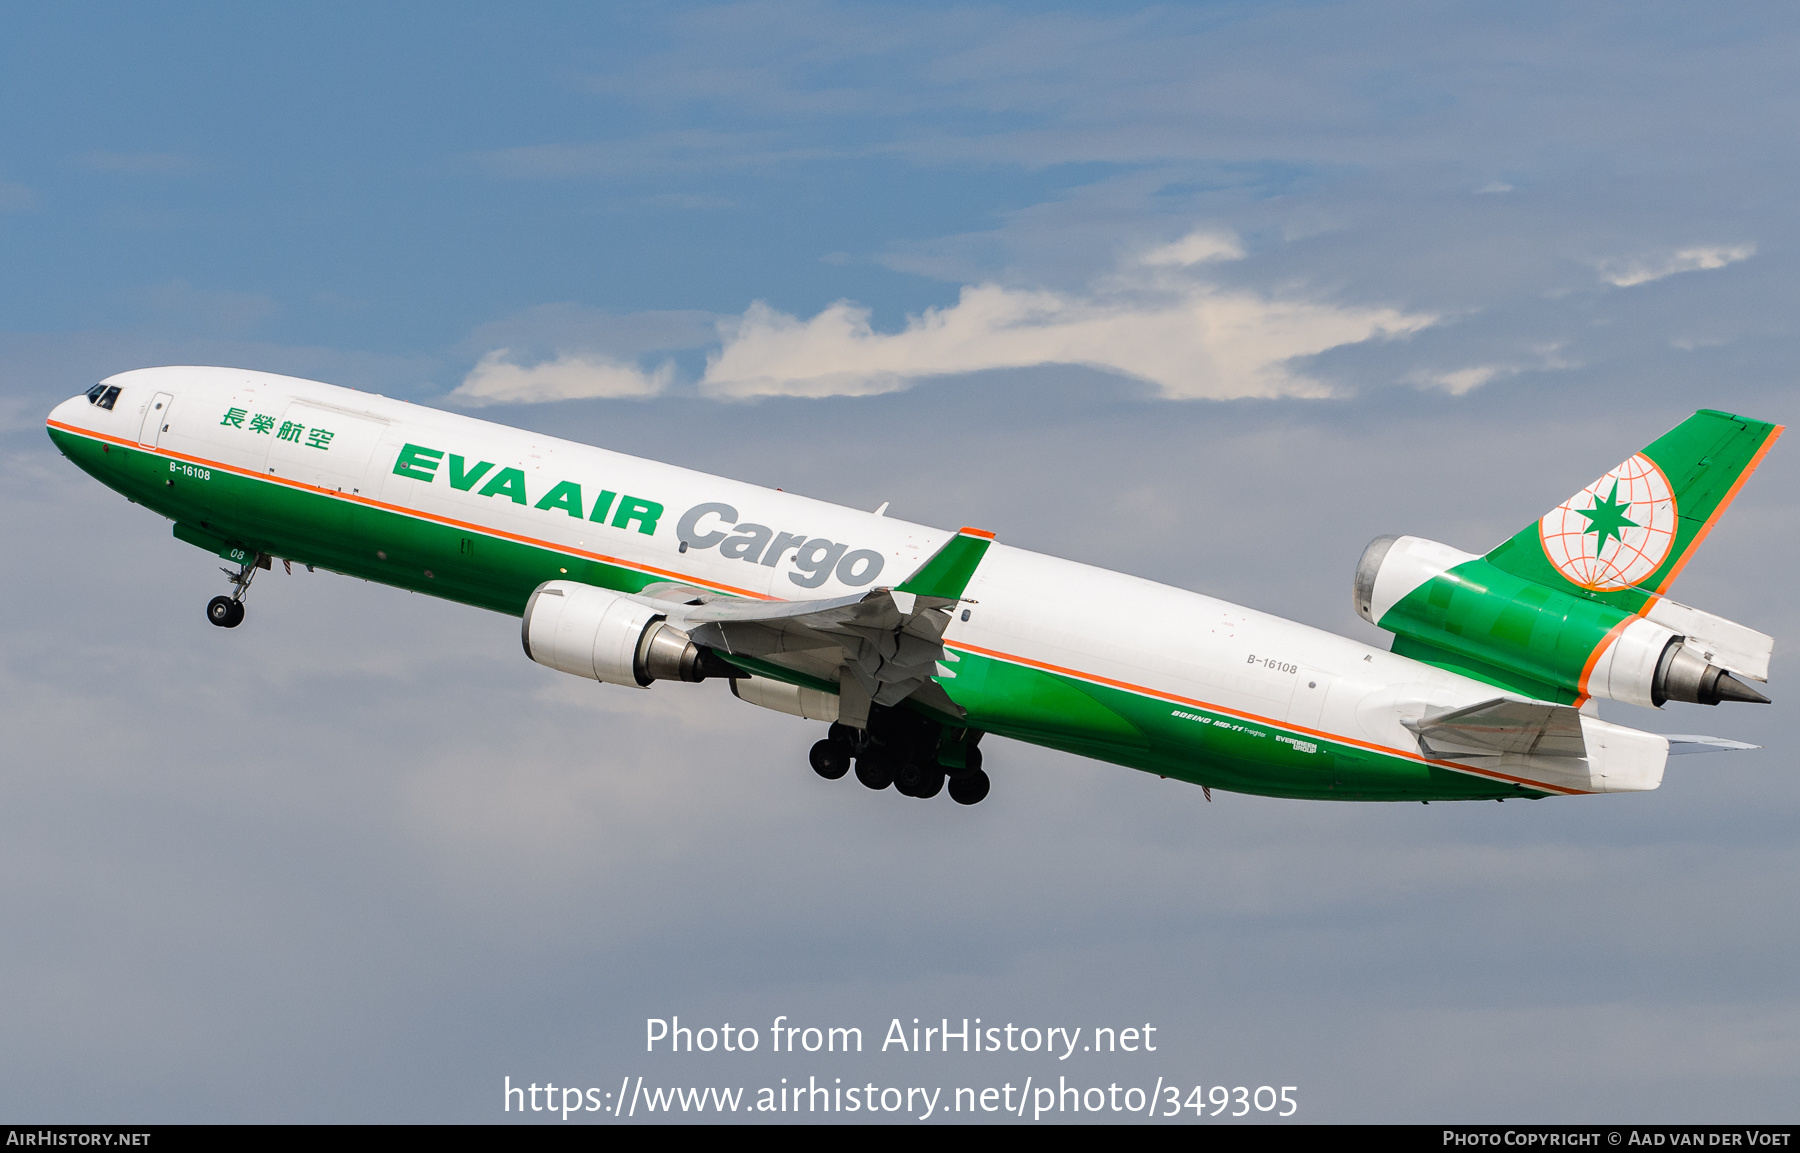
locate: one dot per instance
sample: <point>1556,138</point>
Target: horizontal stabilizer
<point>1497,727</point>
<point>1687,743</point>
<point>1725,643</point>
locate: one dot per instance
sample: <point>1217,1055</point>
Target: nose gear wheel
<point>228,612</point>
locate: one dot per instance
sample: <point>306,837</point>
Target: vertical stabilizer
<point>1625,538</point>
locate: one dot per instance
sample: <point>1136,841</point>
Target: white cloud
<point>1196,248</point>
<point>1464,379</point>
<point>1625,273</point>
<point>495,380</point>
<point>1457,382</point>
<point>1154,319</point>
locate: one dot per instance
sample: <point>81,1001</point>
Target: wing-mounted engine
<point>852,661</point>
<point>877,648</point>
<point>612,637</point>
<point>794,700</point>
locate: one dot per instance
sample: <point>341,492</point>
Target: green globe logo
<point>1615,532</point>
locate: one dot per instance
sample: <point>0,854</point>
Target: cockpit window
<point>103,395</point>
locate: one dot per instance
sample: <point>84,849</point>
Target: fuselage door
<point>156,419</point>
<point>1311,687</point>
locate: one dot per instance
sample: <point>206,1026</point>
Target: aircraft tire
<point>874,769</point>
<point>908,777</point>
<point>224,612</point>
<point>969,787</point>
<point>931,783</point>
<point>830,759</point>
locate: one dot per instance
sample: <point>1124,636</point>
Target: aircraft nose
<point>71,411</point>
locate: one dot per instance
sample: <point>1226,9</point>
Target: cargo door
<point>323,447</point>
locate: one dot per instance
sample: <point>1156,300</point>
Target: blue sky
<point>389,183</point>
<point>1277,278</point>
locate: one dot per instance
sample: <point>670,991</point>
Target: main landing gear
<point>907,751</point>
<point>228,612</point>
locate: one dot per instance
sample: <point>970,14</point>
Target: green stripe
<point>1221,750</point>
<point>466,565</point>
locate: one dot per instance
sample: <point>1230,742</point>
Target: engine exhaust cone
<point>1729,688</point>
<point>1686,676</point>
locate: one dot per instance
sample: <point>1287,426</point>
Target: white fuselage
<point>1055,614</point>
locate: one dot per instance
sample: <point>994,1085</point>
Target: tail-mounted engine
<point>1458,611</point>
<point>608,636</point>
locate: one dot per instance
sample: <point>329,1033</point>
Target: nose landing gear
<point>228,612</point>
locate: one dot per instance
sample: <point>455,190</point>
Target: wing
<point>1500,726</point>
<point>880,647</point>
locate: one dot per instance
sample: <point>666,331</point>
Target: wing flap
<point>888,653</point>
<point>890,640</point>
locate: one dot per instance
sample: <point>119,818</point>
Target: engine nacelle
<point>794,700</point>
<point>1457,602</point>
<point>608,636</point>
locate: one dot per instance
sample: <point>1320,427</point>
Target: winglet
<point>948,571</point>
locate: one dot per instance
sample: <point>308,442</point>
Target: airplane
<point>914,643</point>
